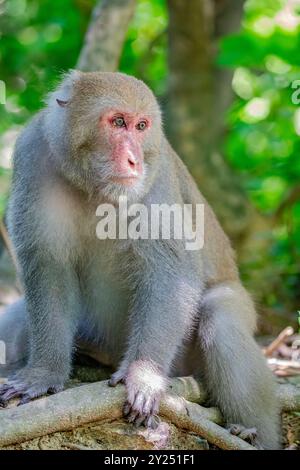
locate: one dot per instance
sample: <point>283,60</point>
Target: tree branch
<point>95,402</point>
<point>290,199</point>
<point>105,37</point>
<point>289,397</point>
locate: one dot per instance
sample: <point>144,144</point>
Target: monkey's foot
<point>144,386</point>
<point>247,434</point>
<point>29,383</point>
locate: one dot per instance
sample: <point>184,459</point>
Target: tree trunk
<point>199,95</point>
<point>228,16</point>
<point>106,34</point>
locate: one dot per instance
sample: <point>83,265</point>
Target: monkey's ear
<point>61,102</point>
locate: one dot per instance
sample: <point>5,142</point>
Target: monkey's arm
<point>161,312</point>
<point>52,304</point>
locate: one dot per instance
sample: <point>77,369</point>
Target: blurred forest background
<point>227,75</point>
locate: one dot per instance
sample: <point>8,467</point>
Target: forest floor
<point>116,433</point>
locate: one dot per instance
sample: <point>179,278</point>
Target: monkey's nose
<point>133,165</point>
<point>131,162</point>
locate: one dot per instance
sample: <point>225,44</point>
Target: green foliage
<point>39,39</point>
<point>264,127</point>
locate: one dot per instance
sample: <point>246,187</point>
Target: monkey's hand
<point>29,383</point>
<point>144,386</point>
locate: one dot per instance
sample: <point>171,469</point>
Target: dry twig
<point>269,350</point>
<point>283,367</point>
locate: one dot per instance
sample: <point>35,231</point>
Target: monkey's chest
<point>105,302</point>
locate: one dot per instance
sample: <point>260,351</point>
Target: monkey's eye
<point>119,122</point>
<point>141,126</point>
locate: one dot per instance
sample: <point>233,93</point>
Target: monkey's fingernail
<point>132,417</point>
<point>139,421</point>
<point>126,409</point>
<point>153,421</point>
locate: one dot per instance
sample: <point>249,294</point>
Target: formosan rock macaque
<point>151,307</point>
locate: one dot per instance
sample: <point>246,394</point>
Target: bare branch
<point>106,34</point>
<point>95,402</point>
<point>192,417</point>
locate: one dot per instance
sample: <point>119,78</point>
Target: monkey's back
<point>219,257</point>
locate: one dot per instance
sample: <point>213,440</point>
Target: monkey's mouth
<point>125,180</point>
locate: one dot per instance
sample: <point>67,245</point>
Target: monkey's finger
<point>3,403</point>
<point>155,406</point>
<point>112,382</point>
<point>9,394</point>
<point>115,380</point>
<point>147,406</point>
<point>132,416</point>
<point>55,389</point>
<point>249,435</point>
<point>132,392</point>
<point>152,421</point>
<point>234,429</point>
<point>12,384</point>
<point>140,420</point>
<point>4,388</point>
<point>26,398</point>
<point>126,409</point>
<point>138,403</point>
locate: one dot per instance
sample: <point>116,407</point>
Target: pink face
<point>125,133</point>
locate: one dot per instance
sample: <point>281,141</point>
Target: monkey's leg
<point>237,377</point>
<point>52,301</point>
<point>160,315</point>
<point>13,338</point>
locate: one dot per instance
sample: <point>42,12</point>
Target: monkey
<point>150,307</point>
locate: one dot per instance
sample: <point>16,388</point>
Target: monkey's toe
<point>247,434</point>
<point>12,390</point>
<point>7,393</point>
<point>27,386</point>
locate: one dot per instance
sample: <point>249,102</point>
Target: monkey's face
<point>123,141</point>
<point>114,135</point>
